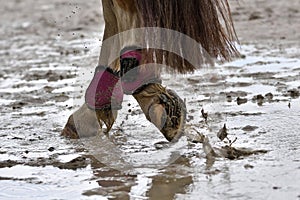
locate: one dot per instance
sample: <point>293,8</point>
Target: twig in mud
<point>223,133</point>
<point>122,123</point>
<point>230,143</point>
<point>204,114</point>
<point>227,151</point>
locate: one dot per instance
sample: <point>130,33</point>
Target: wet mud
<point>44,53</point>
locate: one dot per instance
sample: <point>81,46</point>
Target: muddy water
<point>257,97</point>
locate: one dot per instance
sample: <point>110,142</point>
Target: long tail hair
<point>208,22</point>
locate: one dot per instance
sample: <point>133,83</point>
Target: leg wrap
<point>134,76</point>
<point>105,90</point>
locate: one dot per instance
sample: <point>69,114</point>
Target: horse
<point>207,22</point>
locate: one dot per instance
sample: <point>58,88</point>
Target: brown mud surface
<point>47,47</point>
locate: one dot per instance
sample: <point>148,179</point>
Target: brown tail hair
<point>208,22</point>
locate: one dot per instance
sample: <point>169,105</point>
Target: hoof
<point>164,108</point>
<point>87,123</point>
<point>70,130</point>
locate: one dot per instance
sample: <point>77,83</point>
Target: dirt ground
<point>272,23</point>
<point>47,48</point>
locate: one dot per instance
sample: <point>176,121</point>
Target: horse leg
<point>161,106</point>
<point>85,121</point>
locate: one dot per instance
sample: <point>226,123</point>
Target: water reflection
<point>147,183</point>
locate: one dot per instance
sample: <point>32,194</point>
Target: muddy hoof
<point>69,130</point>
<point>164,108</point>
<point>84,123</point>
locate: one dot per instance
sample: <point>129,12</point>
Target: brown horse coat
<point>208,22</point>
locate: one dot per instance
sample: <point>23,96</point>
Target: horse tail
<point>208,22</point>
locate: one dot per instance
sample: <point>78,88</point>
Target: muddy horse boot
<point>161,106</point>
<point>103,98</point>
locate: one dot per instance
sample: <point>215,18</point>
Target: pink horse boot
<point>105,95</point>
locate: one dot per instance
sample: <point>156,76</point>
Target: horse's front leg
<point>103,98</point>
<point>87,121</point>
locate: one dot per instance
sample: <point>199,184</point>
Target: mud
<point>45,47</point>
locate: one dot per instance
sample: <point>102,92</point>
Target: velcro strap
<point>129,64</point>
<point>134,76</point>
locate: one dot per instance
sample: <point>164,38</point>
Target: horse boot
<point>161,106</point>
<point>105,95</point>
<point>103,98</point>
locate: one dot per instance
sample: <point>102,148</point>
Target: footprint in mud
<point>237,94</point>
<point>269,96</point>
<point>18,105</point>
<point>293,93</point>
<point>259,99</point>
<point>61,98</point>
<point>249,128</point>
<point>241,101</point>
<point>255,16</point>
<point>74,164</point>
<point>50,76</point>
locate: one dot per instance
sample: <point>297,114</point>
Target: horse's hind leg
<point>161,106</point>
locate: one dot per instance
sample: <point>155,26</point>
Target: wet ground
<point>43,59</point>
